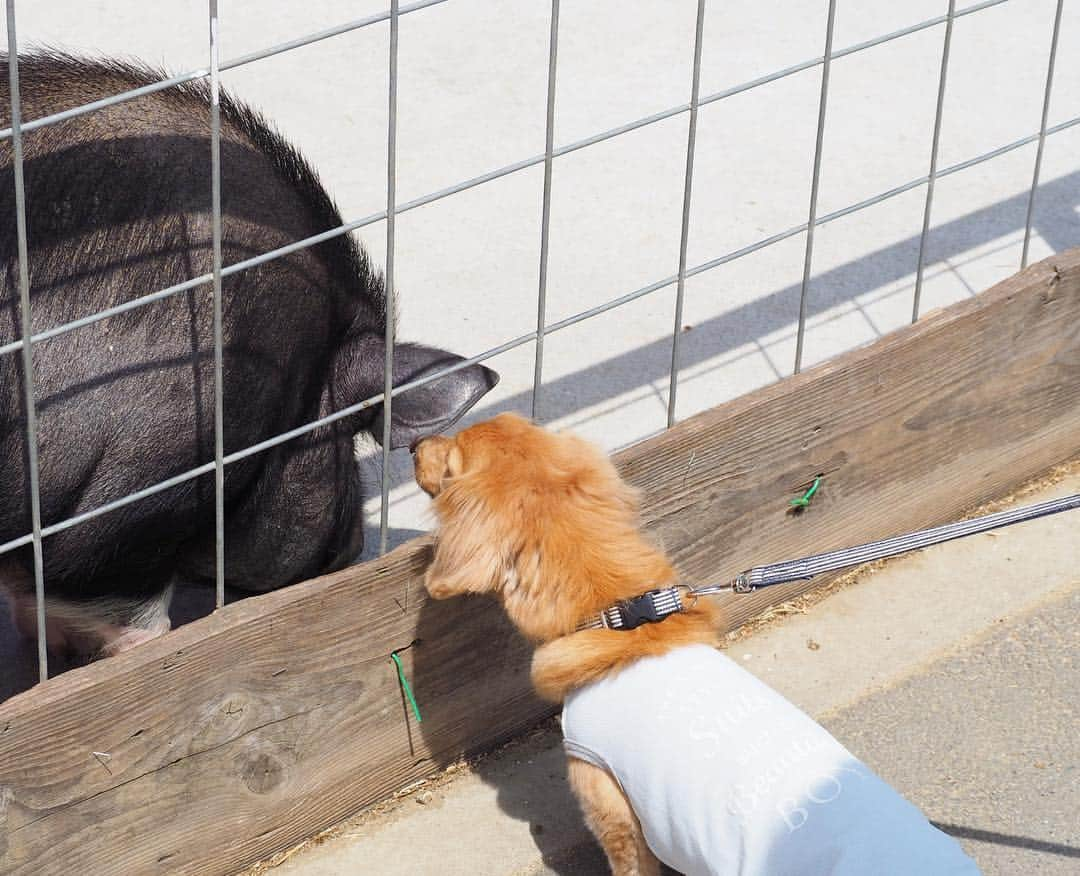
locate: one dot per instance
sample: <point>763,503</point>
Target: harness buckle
<point>648,608</point>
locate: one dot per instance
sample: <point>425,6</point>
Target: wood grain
<point>243,733</point>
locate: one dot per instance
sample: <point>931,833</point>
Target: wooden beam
<point>245,732</point>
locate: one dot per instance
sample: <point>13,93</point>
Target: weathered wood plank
<point>253,728</point>
<point>910,431</point>
<point>247,731</point>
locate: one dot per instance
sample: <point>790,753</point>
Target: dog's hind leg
<point>611,820</point>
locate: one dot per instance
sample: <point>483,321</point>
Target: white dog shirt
<point>727,777</point>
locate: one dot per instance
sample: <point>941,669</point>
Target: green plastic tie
<point>804,500</point>
<point>405,686</point>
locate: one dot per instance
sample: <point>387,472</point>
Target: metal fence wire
<point>393,209</point>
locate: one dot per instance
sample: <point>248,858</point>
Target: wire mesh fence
<point>552,152</point>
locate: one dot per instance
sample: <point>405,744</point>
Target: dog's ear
<point>436,460</point>
<point>455,463</point>
<point>598,479</point>
<point>469,555</point>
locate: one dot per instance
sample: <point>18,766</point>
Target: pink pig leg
<point>94,629</point>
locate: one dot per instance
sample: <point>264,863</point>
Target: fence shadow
<point>1057,222</point>
<point>534,791</point>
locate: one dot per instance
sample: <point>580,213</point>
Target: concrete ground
<point>951,672</point>
<point>472,95</point>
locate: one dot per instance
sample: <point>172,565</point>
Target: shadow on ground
<point>1058,223</point>
<point>529,775</point>
<point>558,817</point>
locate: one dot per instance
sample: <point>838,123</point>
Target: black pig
<point>118,206</point>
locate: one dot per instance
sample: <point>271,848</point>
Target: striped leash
<point>656,605</point>
<point>809,567</point>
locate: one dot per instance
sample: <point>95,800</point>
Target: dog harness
<point>727,777</point>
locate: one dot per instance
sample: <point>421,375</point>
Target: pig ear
<point>435,406</point>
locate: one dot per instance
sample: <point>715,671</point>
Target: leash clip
<point>742,584</point>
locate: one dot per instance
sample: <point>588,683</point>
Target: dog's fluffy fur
<point>544,523</point>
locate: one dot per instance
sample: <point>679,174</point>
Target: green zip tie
<point>804,500</point>
<point>405,686</point>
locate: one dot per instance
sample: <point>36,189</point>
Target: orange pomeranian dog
<point>676,754</point>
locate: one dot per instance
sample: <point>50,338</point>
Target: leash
<point>656,605</point>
